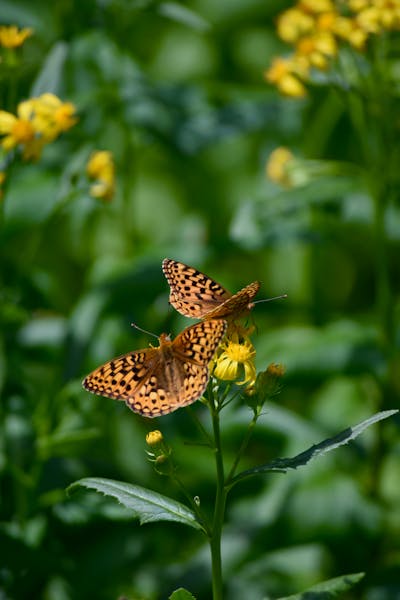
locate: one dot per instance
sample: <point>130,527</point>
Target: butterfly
<point>157,381</point>
<point>196,295</point>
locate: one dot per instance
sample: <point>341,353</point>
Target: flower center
<point>239,352</point>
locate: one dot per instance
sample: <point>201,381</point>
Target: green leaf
<point>283,464</point>
<point>182,14</point>
<point>181,594</point>
<point>145,504</point>
<point>328,589</point>
<point>51,75</point>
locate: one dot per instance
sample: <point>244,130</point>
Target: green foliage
<point>344,437</point>
<point>175,91</point>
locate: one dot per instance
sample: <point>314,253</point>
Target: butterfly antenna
<point>269,299</point>
<point>143,330</point>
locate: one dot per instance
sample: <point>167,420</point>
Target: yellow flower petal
<point>11,37</point>
<point>237,356</point>
<point>7,121</point>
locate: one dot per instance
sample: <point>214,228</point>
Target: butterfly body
<point>196,295</point>
<point>156,381</point>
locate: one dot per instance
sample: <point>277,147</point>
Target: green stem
<point>219,510</point>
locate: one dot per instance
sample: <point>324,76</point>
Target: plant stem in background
<point>219,509</point>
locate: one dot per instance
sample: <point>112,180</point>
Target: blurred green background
<point>179,98</point>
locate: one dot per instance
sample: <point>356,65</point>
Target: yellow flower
<point>53,116</point>
<point>286,74</point>
<point>326,21</point>
<point>100,166</point>
<point>350,30</point>
<point>357,5</point>
<point>154,437</point>
<point>236,358</point>
<point>17,130</point>
<point>316,49</point>
<point>10,37</point>
<point>38,121</point>
<point>373,16</point>
<point>369,19</point>
<point>293,24</point>
<point>277,166</point>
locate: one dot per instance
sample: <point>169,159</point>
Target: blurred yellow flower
<point>11,37</point>
<point>316,27</point>
<point>277,166</point>
<point>357,5</point>
<point>286,74</point>
<point>100,167</point>
<point>293,24</point>
<point>53,116</point>
<point>350,31</point>
<point>17,129</point>
<point>38,121</point>
<point>316,49</point>
<point>235,360</point>
<point>378,15</point>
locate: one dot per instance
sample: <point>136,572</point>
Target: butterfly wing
<point>193,350</point>
<point>196,295</point>
<point>121,377</point>
<point>157,381</point>
<point>182,374</point>
<point>193,293</point>
<point>237,304</point>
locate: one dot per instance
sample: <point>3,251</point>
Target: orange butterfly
<point>196,295</point>
<point>157,381</point>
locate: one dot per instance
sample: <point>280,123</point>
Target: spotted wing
<point>121,377</point>
<point>235,305</point>
<point>193,349</point>
<point>192,293</point>
<point>157,381</point>
<point>196,295</point>
<point>183,374</point>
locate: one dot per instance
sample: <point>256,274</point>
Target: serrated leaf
<point>146,505</point>
<point>283,464</point>
<point>328,589</point>
<point>181,594</point>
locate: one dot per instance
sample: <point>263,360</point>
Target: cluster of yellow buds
<point>317,27</point>
<point>38,121</point>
